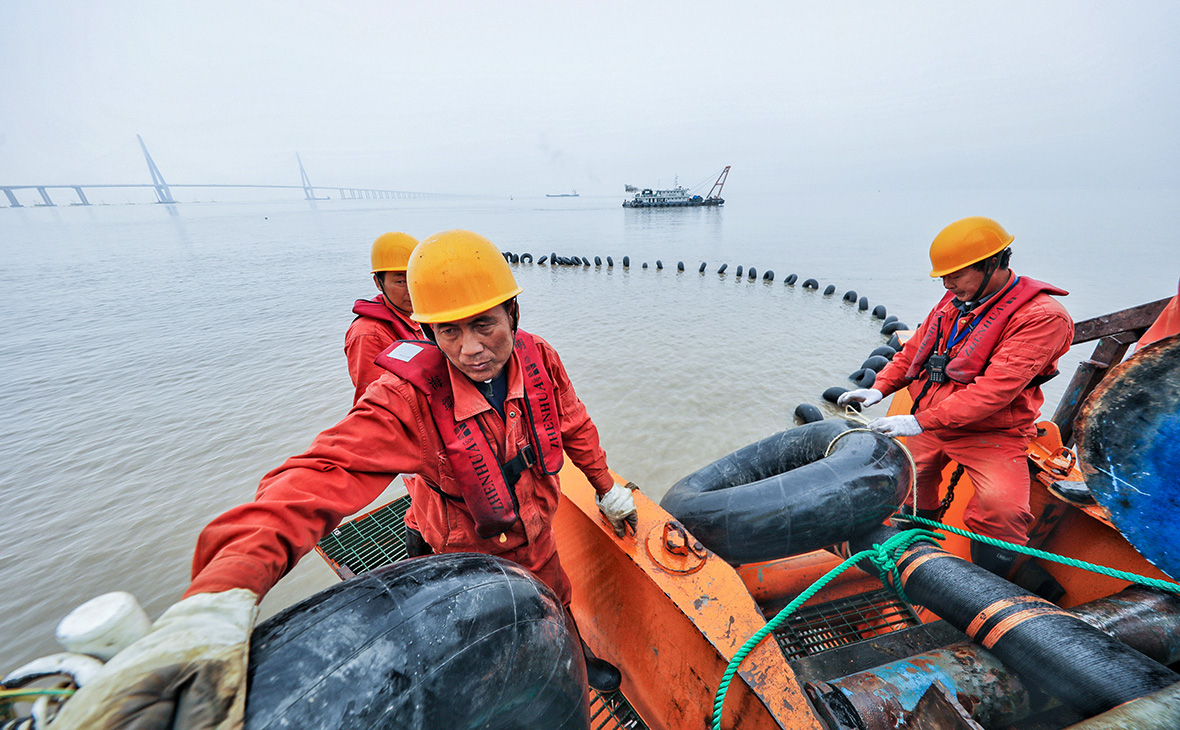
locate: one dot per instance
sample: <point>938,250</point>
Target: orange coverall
<point>985,425</point>
<point>368,337</point>
<point>391,431</point>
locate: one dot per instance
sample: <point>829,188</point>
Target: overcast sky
<point>526,98</point>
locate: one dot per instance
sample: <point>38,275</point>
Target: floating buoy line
<point>863,377</point>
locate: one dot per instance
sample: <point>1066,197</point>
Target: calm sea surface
<point>155,361</point>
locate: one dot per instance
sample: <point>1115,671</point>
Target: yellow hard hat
<point>457,274</point>
<point>965,242</point>
<point>391,251</point>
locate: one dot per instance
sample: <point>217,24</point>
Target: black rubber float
<point>790,280</point>
<point>850,296</point>
<point>645,264</point>
<point>739,271</point>
<point>680,266</point>
<point>721,269</point>
<point>768,275</point>
<point>893,327</point>
<point>879,311</point>
<point>884,351</point>
<point>811,284</point>
<point>895,343</point>
<point>863,304</point>
<point>598,261</point>
<point>702,269</point>
<point>626,262</point>
<point>659,265</point>
<point>829,290</point>
<point>783,496</point>
<point>543,259</point>
<point>875,363</point>
<point>890,318</point>
<point>381,650</point>
<point>864,378</point>
<point>528,256</point>
<point>609,261</point>
<point>752,274</point>
<point>807,413</point>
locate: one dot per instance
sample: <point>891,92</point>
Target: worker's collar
<point>470,401</point>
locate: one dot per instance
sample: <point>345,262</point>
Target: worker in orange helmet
<point>384,319</point>
<point>974,368</point>
<point>486,394</point>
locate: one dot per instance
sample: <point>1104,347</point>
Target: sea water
<point>156,360</point>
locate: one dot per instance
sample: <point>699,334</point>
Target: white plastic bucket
<point>103,626</point>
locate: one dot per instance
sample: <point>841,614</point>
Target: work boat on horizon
<point>693,607</point>
<point>678,196</point>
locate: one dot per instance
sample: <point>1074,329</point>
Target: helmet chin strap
<point>989,269</point>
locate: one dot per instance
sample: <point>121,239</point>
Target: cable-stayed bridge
<point>163,189</point>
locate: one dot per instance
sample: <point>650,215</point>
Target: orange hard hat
<point>457,274</point>
<point>391,251</point>
<point>965,242</point>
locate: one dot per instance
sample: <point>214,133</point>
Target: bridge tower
<point>163,194</point>
<point>308,189</point>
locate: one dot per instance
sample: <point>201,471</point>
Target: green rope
<point>17,695</point>
<point>882,556</point>
<point>1072,562</point>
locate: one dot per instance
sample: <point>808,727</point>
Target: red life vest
<point>486,485</point>
<point>970,359</point>
<point>378,309</point>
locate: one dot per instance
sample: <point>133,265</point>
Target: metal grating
<point>815,629</point>
<point>612,711</point>
<point>370,541</point>
<point>379,538</point>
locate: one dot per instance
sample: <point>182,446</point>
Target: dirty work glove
<point>864,396</point>
<point>191,667</point>
<point>618,506</point>
<point>896,426</point>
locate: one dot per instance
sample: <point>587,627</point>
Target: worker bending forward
<point>483,417</point>
<point>385,318</point>
<point>974,368</point>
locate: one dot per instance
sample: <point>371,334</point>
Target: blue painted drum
<point>1129,450</point>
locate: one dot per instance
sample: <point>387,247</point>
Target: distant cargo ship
<point>678,197</point>
<point>562,195</point>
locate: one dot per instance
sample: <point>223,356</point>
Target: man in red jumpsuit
<point>385,318</point>
<point>487,394</point>
<point>974,368</point>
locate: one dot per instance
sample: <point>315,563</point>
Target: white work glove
<point>189,670</point>
<point>896,426</point>
<point>864,396</point>
<point>618,506</point>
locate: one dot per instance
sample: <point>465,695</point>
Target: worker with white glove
<point>187,673</point>
<point>618,506</point>
<point>896,426</point>
<point>865,396</point>
<point>974,368</point>
<point>483,413</point>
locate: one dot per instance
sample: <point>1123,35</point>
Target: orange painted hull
<point>671,614</point>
